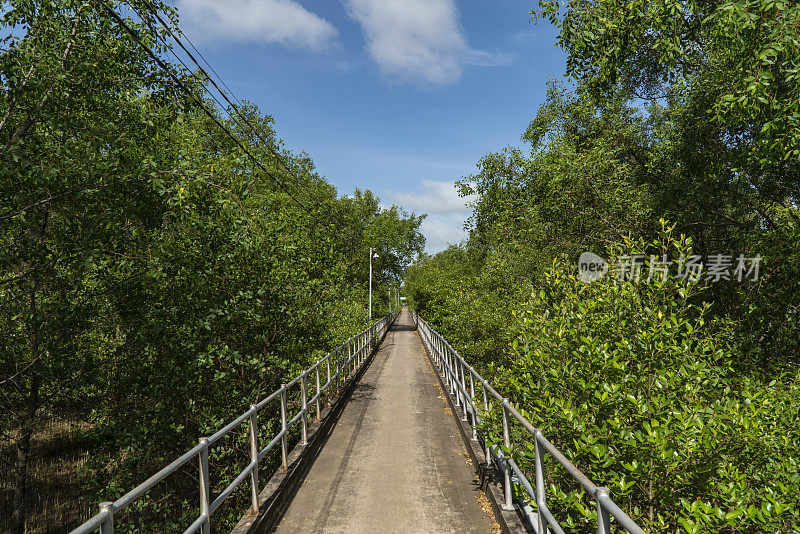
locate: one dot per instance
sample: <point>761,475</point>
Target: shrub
<point>640,390</point>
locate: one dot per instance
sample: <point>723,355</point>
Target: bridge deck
<point>395,461</point>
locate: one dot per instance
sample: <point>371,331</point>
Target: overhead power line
<point>246,123</point>
<point>161,64</point>
<point>152,10</point>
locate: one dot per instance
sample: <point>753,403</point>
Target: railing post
<point>540,487</point>
<point>328,365</point>
<point>335,360</point>
<point>434,348</point>
<point>451,365</point>
<point>357,353</point>
<point>464,403</point>
<point>107,526</point>
<point>205,488</point>
<point>319,397</point>
<point>284,440</point>
<point>451,359</point>
<point>603,516</point>
<point>456,389</point>
<point>508,505</point>
<point>254,456</point>
<point>486,410</point>
<point>473,410</point>
<point>341,366</point>
<point>304,407</point>
<point>351,349</point>
<point>462,386</point>
<point>445,359</point>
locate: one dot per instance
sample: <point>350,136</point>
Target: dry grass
<point>54,493</point>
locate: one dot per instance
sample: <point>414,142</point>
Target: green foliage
<point>683,398</point>
<point>469,306</point>
<point>739,56</point>
<point>155,280</point>
<point>584,185</point>
<point>635,385</point>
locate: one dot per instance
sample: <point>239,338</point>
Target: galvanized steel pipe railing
<point>461,378</point>
<point>341,363</point>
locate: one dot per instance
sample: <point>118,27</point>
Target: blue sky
<point>399,96</point>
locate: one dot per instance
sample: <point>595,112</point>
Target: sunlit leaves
<point>739,55</point>
<point>639,389</point>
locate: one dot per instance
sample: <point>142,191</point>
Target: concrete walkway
<point>395,461</point>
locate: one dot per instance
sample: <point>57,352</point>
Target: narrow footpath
<point>395,461</point>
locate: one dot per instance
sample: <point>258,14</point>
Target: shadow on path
<point>395,461</point>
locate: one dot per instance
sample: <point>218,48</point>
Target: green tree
<point>739,57</point>
<point>155,279</point>
<point>77,124</point>
<point>640,387</point>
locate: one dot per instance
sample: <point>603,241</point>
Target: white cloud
<point>482,58</point>
<point>440,232</point>
<point>436,197</point>
<point>417,40</point>
<point>269,21</point>
<point>446,212</point>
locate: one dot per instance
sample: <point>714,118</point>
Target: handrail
<point>461,376</point>
<point>353,354</point>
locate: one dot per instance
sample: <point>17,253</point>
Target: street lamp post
<point>372,254</point>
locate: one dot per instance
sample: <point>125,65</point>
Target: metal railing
<point>461,378</point>
<point>341,363</point>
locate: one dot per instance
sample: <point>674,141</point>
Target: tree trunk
<point>23,447</point>
<point>18,516</point>
<point>19,513</point>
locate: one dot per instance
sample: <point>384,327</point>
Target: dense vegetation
<point>680,394</point>
<point>155,280</point>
